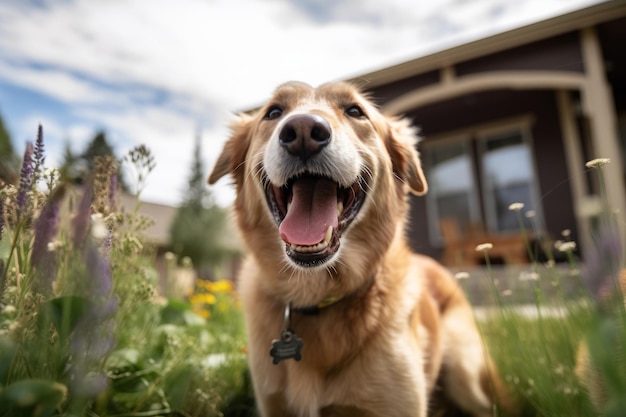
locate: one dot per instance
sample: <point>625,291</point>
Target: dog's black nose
<point>305,135</point>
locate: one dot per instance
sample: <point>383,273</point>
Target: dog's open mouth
<point>312,213</point>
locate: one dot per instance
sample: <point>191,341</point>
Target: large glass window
<point>507,178</point>
<point>451,184</point>
<point>474,178</point>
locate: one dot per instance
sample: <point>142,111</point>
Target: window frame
<point>432,211</point>
<point>474,138</point>
<point>487,197</point>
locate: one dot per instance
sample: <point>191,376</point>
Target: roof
<point>573,21</point>
<point>162,215</point>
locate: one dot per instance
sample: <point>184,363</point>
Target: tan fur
<point>402,321</point>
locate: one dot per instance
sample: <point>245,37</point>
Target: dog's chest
<point>372,384</point>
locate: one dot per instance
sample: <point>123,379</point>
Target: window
<point>474,177</point>
<point>508,177</point>
<point>451,184</point>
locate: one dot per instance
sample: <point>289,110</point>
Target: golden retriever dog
<point>342,319</point>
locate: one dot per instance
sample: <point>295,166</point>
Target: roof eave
<point>573,21</point>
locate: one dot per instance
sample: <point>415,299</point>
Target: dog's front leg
<point>273,405</point>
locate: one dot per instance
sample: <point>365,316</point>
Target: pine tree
<point>9,161</point>
<point>99,146</point>
<point>199,223</point>
<point>76,168</point>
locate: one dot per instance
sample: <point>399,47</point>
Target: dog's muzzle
<point>312,210</point>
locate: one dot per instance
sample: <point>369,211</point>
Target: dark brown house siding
<point>387,92</point>
<point>561,53</point>
<point>467,111</point>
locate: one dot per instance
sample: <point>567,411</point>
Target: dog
<point>342,318</point>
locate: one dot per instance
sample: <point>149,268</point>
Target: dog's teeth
<point>315,248</point>
<point>327,236</point>
<point>339,208</point>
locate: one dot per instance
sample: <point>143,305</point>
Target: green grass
<point>536,358</point>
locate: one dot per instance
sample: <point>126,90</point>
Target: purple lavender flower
<point>93,338</point>
<point>26,179</point>
<point>98,266</point>
<point>603,264</point>
<point>39,153</point>
<point>2,222</point>
<point>82,219</point>
<point>46,228</point>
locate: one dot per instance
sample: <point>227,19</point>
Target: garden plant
<point>83,329</point>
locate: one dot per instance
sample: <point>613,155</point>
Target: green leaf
<point>7,354</point>
<point>124,359</point>
<point>32,397</point>
<point>65,313</point>
<point>177,385</point>
<point>179,313</point>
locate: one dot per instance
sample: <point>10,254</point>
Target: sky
<point>163,72</point>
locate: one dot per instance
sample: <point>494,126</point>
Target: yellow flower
<point>204,313</point>
<point>203,298</point>
<point>201,283</point>
<point>221,286</point>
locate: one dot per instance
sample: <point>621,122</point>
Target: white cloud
<point>58,84</point>
<point>170,137</point>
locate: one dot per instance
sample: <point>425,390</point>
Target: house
<point>513,118</point>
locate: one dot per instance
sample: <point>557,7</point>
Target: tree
<point>199,223</point>
<point>99,146</point>
<point>76,168</point>
<point>9,161</point>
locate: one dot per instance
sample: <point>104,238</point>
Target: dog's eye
<point>274,112</point>
<point>354,111</point>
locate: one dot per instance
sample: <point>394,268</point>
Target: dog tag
<point>289,346</point>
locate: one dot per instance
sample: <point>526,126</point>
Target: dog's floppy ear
<point>401,143</point>
<point>234,153</point>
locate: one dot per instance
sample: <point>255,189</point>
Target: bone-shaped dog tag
<point>287,347</point>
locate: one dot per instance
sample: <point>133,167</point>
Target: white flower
<point>98,227</point>
<point>597,163</point>
<point>566,233</point>
<point>54,245</point>
<point>462,275</point>
<point>9,309</point>
<point>516,206</point>
<point>567,246</point>
<point>484,247</point>
<point>528,276</point>
<point>186,262</point>
<point>507,293</point>
<point>530,214</point>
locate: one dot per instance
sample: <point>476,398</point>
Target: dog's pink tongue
<point>313,208</point>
